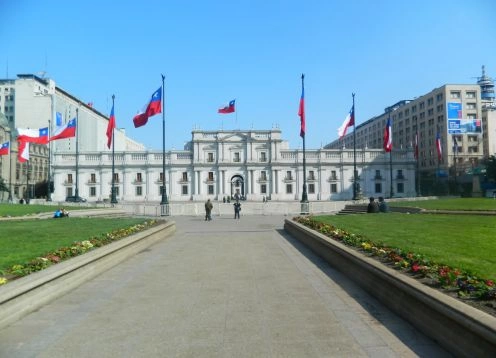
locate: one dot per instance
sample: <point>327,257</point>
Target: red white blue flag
<point>439,147</point>
<point>39,136</point>
<point>230,108</point>
<point>301,110</point>
<point>22,151</point>
<point>5,148</point>
<point>154,107</point>
<point>348,122</point>
<point>388,136</point>
<point>110,127</point>
<point>68,130</point>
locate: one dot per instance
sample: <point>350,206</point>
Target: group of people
<point>209,207</point>
<point>375,207</point>
<point>60,213</point>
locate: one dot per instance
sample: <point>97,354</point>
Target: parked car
<point>75,199</point>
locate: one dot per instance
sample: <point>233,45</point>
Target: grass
<point>460,241</point>
<point>451,204</point>
<point>21,210</point>
<point>24,240</point>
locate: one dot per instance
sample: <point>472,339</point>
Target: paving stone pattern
<point>223,288</point>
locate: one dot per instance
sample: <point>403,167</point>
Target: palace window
<point>210,190</point>
<point>92,178</point>
<point>139,190</point>
<point>334,188</point>
<point>378,187</point>
<point>236,157</point>
<point>263,189</point>
<point>263,156</point>
<point>210,157</point>
<point>311,188</point>
<point>210,176</point>
<point>289,189</point>
<point>185,176</point>
<point>92,191</point>
<point>69,178</point>
<point>139,178</point>
<point>184,190</point>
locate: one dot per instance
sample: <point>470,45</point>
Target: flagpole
<point>304,196</point>
<point>455,142</point>
<point>27,183</point>
<point>77,153</point>
<point>164,189</point>
<point>113,199</point>
<point>10,165</point>
<point>49,174</point>
<point>391,171</point>
<point>417,151</point>
<point>355,191</point>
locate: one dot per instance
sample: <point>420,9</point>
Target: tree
<point>3,186</point>
<point>491,168</point>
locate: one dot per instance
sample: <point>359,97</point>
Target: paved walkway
<point>225,288</point>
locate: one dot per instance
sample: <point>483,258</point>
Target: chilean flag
<point>154,107</point>
<point>39,136</point>
<point>348,122</point>
<point>5,148</point>
<point>110,127</point>
<point>388,136</point>
<point>439,147</point>
<point>301,110</point>
<point>230,108</point>
<point>23,151</point>
<point>68,130</point>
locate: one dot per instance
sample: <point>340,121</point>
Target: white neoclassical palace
<point>252,164</point>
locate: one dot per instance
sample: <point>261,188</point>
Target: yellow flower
<point>3,280</point>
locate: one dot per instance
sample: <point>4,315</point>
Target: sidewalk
<point>223,288</point>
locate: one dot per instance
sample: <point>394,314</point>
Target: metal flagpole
<point>10,166</point>
<point>77,153</point>
<point>164,202</point>
<point>113,198</point>
<point>355,191</point>
<point>391,172</point>
<point>304,196</point>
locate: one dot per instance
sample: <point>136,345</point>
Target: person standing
<point>237,209</point>
<point>373,207</point>
<point>383,206</point>
<point>208,210</point>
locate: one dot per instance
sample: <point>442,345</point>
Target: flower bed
<point>451,280</point>
<point>76,249</point>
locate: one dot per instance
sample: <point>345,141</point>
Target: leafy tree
<point>3,186</point>
<point>491,168</point>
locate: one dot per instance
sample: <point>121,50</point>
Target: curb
<point>29,293</point>
<point>461,329</point>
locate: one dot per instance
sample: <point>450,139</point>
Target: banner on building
<point>459,125</point>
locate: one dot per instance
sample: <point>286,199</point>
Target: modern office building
<point>462,116</point>
<point>33,102</point>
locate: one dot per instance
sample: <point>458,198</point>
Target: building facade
<point>255,165</point>
<point>33,102</point>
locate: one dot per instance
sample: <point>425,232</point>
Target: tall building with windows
<point>33,102</point>
<point>461,116</point>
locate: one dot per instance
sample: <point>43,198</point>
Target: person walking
<point>208,210</point>
<point>237,209</point>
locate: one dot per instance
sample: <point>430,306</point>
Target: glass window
<point>138,177</point>
<point>93,178</point>
<point>263,157</point>
<point>400,187</point>
<point>210,189</point>
<point>263,175</point>
<point>236,157</point>
<point>263,189</point>
<point>116,177</point>
<point>92,191</point>
<point>289,189</point>
<point>311,188</point>
<point>139,190</point>
<point>378,187</point>
<point>334,188</point>
<point>311,175</point>
<point>185,176</point>
<point>210,176</point>
<point>455,94</point>
<point>210,158</point>
<point>184,190</point>
<point>470,94</point>
<point>69,178</point>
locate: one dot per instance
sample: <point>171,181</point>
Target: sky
<point>254,52</point>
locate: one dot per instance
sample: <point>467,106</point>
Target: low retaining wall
<point>459,328</point>
<point>27,294</point>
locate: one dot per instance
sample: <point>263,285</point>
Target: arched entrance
<point>237,187</point>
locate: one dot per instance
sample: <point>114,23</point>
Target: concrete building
<point>33,102</point>
<point>462,114</point>
<point>253,165</point>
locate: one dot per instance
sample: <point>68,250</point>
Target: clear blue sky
<point>253,51</point>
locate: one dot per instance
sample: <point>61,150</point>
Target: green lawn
<point>20,210</point>
<point>451,204</point>
<point>23,240</point>
<point>460,241</point>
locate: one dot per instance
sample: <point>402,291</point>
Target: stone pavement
<point>224,288</point>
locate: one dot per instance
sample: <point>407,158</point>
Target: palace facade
<point>255,165</point>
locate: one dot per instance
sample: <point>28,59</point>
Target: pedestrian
<point>373,207</point>
<point>383,206</point>
<point>237,209</point>
<point>208,210</point>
